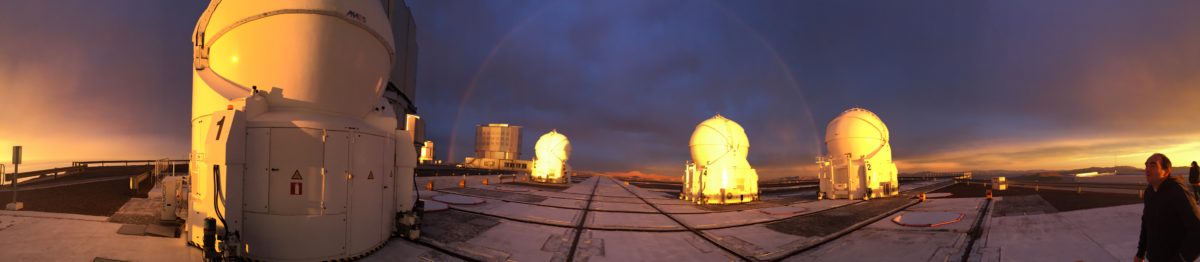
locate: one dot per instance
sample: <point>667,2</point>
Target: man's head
<point>1158,168</point>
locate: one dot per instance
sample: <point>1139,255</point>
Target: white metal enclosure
<point>719,172</point>
<point>294,150</point>
<point>859,164</point>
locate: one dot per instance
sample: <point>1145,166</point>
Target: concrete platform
<point>435,206</point>
<point>632,221</point>
<point>628,207</point>
<point>46,237</point>
<point>968,207</point>
<point>888,241</point>
<point>760,242</point>
<point>530,213</point>
<point>784,210</point>
<point>658,246</point>
<point>938,195</point>
<point>733,218</point>
<point>458,200</point>
<point>403,250</point>
<point>886,245</point>
<point>565,203</point>
<point>1101,234</point>
<point>627,223</point>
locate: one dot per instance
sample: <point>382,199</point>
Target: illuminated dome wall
<point>550,162</point>
<point>719,172</point>
<point>859,164</point>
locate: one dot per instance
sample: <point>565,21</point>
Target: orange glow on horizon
<point>1061,154</point>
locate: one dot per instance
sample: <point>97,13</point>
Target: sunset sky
<point>962,85</point>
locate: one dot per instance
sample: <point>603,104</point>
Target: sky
<point>961,85</point>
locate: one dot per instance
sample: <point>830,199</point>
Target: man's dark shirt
<point>1194,175</point>
<point>1170,223</point>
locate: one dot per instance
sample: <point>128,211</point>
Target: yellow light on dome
<point>550,162</point>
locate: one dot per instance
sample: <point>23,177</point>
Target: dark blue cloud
<point>628,80</point>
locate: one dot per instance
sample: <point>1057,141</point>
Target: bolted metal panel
<point>296,186</point>
<point>337,167</point>
<point>258,169</point>
<point>366,191</point>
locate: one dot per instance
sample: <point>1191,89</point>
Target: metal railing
<point>161,166</point>
<point>129,162</point>
<point>54,172</point>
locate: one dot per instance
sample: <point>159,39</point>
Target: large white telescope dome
<point>331,56</point>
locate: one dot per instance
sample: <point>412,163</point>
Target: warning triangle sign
<point>371,175</point>
<point>296,175</point>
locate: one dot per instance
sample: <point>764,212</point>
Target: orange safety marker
<point>921,196</point>
<point>485,182</point>
<point>430,185</point>
<point>462,183</point>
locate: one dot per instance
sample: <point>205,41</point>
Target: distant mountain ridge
<point>1120,170</point>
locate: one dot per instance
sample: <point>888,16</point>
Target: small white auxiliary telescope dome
<point>550,163</point>
<point>719,172</point>
<point>859,164</point>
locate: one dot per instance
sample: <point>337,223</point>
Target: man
<point>1170,218</point>
<point>1194,178</point>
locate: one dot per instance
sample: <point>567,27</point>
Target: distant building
<point>426,156</point>
<point>416,129</point>
<point>1095,174</point>
<point>999,183</point>
<point>401,88</point>
<point>498,141</point>
<point>497,146</point>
